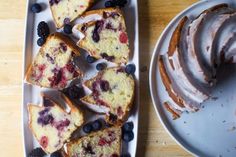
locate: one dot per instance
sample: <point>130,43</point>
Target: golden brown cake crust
<point>167,83</point>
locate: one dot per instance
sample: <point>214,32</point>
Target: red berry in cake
<point>87,128</point>
<point>128,126</point>
<point>128,136</point>
<point>97,125</point>
<point>101,66</point>
<point>109,58</point>
<point>43,141</point>
<point>104,85</point>
<point>63,46</point>
<point>56,154</point>
<point>62,124</point>
<point>67,29</point>
<point>36,8</point>
<point>130,69</point>
<point>123,38</point>
<point>43,29</point>
<point>41,41</point>
<point>37,152</point>
<point>90,59</point>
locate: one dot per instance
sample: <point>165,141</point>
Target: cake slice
<point>53,125</point>
<point>65,11</point>
<point>102,33</point>
<point>112,93</point>
<point>53,66</point>
<point>105,143</point>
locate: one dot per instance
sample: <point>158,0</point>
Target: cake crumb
<point>232,128</point>
<point>143,69</point>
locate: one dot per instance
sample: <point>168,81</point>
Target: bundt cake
<point>112,93</point>
<point>53,125</point>
<point>196,48</point>
<point>53,66</point>
<point>65,11</point>
<point>103,34</point>
<point>105,143</point>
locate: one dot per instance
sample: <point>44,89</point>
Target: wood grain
<point>154,15</point>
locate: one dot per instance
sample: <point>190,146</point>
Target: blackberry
<point>74,92</point>
<point>37,152</point>
<point>56,154</point>
<point>110,3</point>
<point>43,29</point>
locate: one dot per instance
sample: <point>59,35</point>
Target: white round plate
<point>210,132</point>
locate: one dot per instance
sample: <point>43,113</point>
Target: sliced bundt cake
<point>103,34</point>
<point>105,143</point>
<point>65,11</point>
<point>53,66</point>
<point>52,125</point>
<point>112,93</point>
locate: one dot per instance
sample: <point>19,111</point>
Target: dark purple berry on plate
<point>110,3</point>
<point>67,29</point>
<point>128,126</point>
<point>97,125</point>
<point>56,154</point>
<point>121,3</point>
<point>87,128</point>
<point>90,59</point>
<point>36,8</point>
<point>41,41</point>
<point>74,92</point>
<point>130,69</point>
<point>37,152</point>
<point>43,29</point>
<point>126,155</point>
<point>101,66</point>
<point>128,136</point>
<point>104,85</point>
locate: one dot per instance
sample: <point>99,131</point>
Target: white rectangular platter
<point>31,94</point>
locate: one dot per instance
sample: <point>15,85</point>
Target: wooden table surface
<point>154,15</point>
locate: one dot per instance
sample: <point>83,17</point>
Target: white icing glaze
<point>96,108</point>
<point>191,59</point>
<point>83,20</point>
<point>181,85</point>
<point>225,35</point>
<point>207,32</point>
